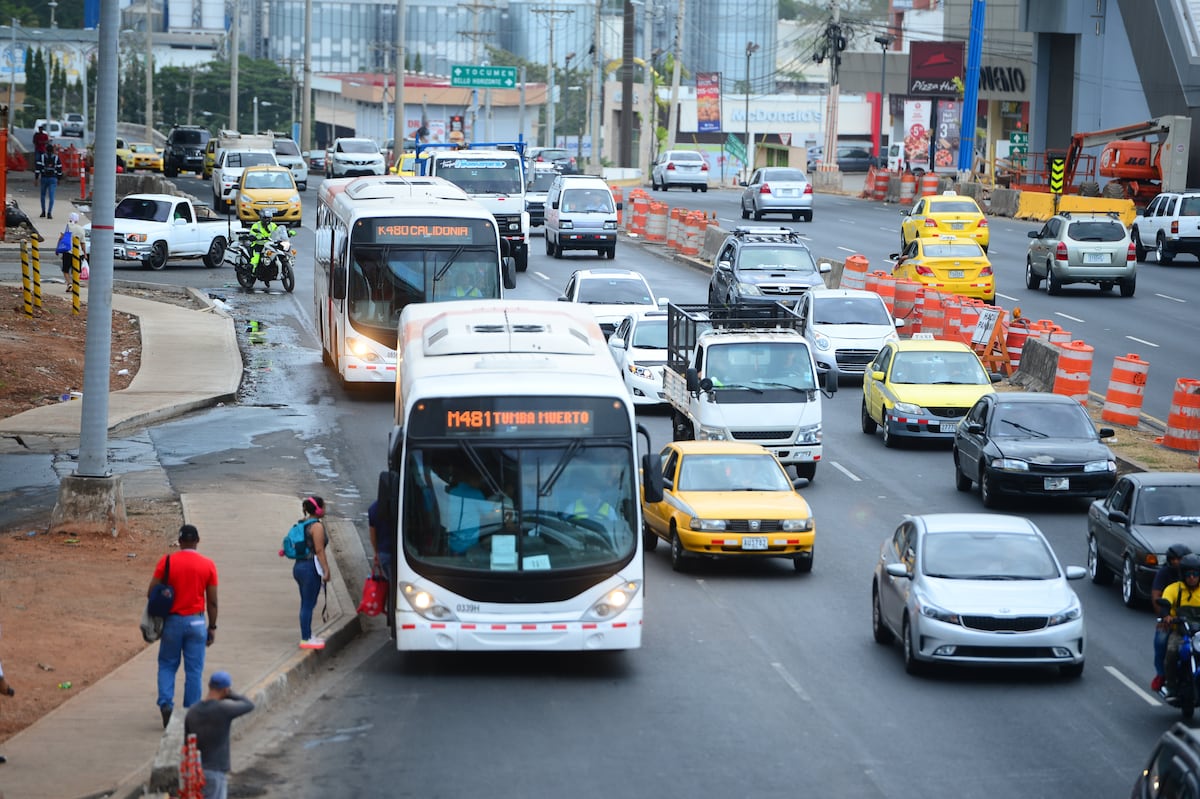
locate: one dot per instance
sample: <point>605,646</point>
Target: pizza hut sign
<point>934,68</point>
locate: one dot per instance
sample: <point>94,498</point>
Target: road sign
<point>470,76</point>
<point>1058,173</point>
<point>1018,143</point>
<point>735,147</point>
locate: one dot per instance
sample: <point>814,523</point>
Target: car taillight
<point>808,188</point>
<point>670,165</point>
<point>1060,252</point>
<point>704,167</point>
<point>985,272</point>
<point>930,222</point>
<point>924,270</point>
<point>1175,227</point>
<point>982,223</point>
<point>766,189</point>
<point>1131,256</point>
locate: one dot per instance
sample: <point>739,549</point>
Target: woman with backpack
<point>306,544</point>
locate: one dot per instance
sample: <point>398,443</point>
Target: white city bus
<point>513,472</point>
<point>384,242</point>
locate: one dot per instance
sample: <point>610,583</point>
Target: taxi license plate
<point>118,252</point>
<point>754,542</point>
<point>1057,483</point>
<point>1095,258</point>
<point>956,273</point>
<point>957,225</point>
<point>947,427</point>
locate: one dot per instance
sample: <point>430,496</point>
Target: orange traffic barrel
<point>868,184</point>
<point>1126,387</point>
<point>656,222</point>
<point>952,318</point>
<point>933,313</point>
<point>1014,342</point>
<point>968,319</point>
<point>641,213</point>
<point>854,273</point>
<point>1183,422</point>
<point>674,227</point>
<point>871,282</point>
<point>1074,374</point>
<point>879,187</point>
<point>1056,335</point>
<point>906,298</point>
<point>908,188</point>
<point>694,224</point>
<point>886,288</point>
<point>929,184</point>
<point>617,198</point>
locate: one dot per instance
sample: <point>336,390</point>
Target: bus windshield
<point>482,176</point>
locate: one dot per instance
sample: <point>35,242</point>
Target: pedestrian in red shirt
<point>185,635</point>
<point>40,139</point>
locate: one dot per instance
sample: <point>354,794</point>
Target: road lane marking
<point>1068,316</point>
<point>791,682</point>
<point>845,471</point>
<point>846,249</point>
<point>542,275</point>
<point>1142,341</point>
<point>1007,297</point>
<point>1147,698</point>
<point>1169,297</point>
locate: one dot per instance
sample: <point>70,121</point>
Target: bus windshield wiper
<point>437,278</point>
<point>568,454</point>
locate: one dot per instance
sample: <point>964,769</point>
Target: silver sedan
<point>778,190</point>
<point>976,589</point>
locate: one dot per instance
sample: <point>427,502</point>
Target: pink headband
<point>318,511</point>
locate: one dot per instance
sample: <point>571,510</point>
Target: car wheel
<point>911,664</point>
<point>1164,255</point>
<point>158,256</point>
<point>807,471</point>
<point>1139,249</point>
<point>880,630</point>
<point>1129,594</point>
<point>521,262</point>
<point>1032,281</point>
<point>745,213</point>
<point>1071,671</point>
<point>664,186</point>
<point>758,215</point>
<point>1053,284</point>
<point>216,253</point>
<point>988,492</point>
<point>704,189</point>
<point>695,189</point>
<point>1100,574</point>
<point>549,246</point>
<point>677,556</point>
<point>795,216</point>
<point>868,424</point>
<point>889,438</point>
<point>1128,287</point>
<point>610,253</point>
<point>558,250</point>
<point>803,563</point>
<point>961,481</point>
<point>808,216</point>
<point>649,538</point>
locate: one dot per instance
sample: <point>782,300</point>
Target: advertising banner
<point>708,102</point>
<point>945,143</point>
<point>917,133</point>
<point>934,68</point>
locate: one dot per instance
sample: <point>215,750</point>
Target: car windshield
<point>143,148</point>
<point>930,368</point>
<point>650,334</point>
<point>954,207</point>
<point>987,556</point>
<point>850,311</point>
<point>1169,505</point>
<point>196,137</point>
<point>1096,231</point>
<point>595,201</point>
<point>541,180</point>
<point>143,210</point>
<point>1041,420</point>
<point>732,473</point>
<point>784,175</point>
<point>966,249</point>
<point>358,146</point>
<point>286,147</point>
<point>785,258</point>
<point>551,155</point>
<point>614,291</point>
<point>758,366</point>
<point>268,180</point>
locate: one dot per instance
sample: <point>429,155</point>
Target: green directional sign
<point>1058,172</point>
<point>469,76</point>
<point>735,147</point>
<point>1018,142</point>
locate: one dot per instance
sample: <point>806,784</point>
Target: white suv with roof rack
<point>1170,225</point>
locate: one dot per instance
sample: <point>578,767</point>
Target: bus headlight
<point>614,602</point>
<point>362,350</point>
<point>425,603</point>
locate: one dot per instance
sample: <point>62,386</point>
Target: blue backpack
<point>298,544</point>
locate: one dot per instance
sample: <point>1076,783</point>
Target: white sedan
<point>611,294</point>
<point>976,589</point>
<point>639,346</point>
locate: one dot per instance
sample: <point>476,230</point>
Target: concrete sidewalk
<point>108,740</point>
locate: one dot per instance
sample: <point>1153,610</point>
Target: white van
<point>54,128</point>
<point>581,215</point>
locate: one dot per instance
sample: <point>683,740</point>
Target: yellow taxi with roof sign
<point>945,213</point>
<point>950,264</point>
<point>268,186</point>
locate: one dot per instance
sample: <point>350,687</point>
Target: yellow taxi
<point>406,166</point>
<point>143,156</point>
<point>950,264</point>
<point>268,186</point>
<point>727,499</point>
<point>210,158</point>
<point>921,388</point>
<point>946,213</point>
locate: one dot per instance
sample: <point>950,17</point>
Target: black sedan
<point>1031,443</point>
<point>1130,529</point>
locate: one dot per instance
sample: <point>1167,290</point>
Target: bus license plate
<point>956,274</point>
<point>754,542</point>
<point>1057,483</point>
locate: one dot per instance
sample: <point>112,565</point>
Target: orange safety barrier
<point>908,188</point>
<point>933,313</point>
<point>952,318</point>
<point>641,213</point>
<point>656,222</point>
<point>694,225</point>
<point>854,273</point>
<point>619,200</point>
<point>1183,422</point>
<point>868,184</point>
<point>1074,374</point>
<point>905,307</point>
<point>1126,387</point>
<point>880,186</point>
<point>968,319</point>
<point>1014,342</point>
<point>673,227</point>
<point>929,184</point>
<point>871,281</point>
<point>886,288</point>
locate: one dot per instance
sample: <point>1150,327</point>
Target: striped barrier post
<point>656,222</point>
<point>854,273</point>
<point>1183,422</point>
<point>1126,389</point>
<point>1074,374</point>
<point>1014,342</point>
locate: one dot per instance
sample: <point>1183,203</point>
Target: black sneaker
<point>166,714</point>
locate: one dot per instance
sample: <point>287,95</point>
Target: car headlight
<point>1100,466</point>
<point>1070,614</point>
<point>425,603</point>
<point>706,525</point>
<point>749,288</point>
<point>294,199</point>
<point>809,434</point>
<point>821,340</point>
<point>610,225</point>
<point>641,371</point>
<point>567,224</point>
<point>614,602</point>
<point>1010,464</point>
<point>139,238</point>
<point>907,407</point>
<point>797,525</point>
<point>710,434</point>
<point>931,611</point>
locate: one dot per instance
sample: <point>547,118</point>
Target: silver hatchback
<point>1082,248</point>
<point>778,190</point>
<point>685,168</point>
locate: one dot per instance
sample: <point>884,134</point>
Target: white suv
<point>351,158</point>
<point>1170,225</point>
<point>287,153</point>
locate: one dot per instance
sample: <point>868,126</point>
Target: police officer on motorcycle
<point>1180,601</point>
<point>260,234</point>
<point>1167,573</point>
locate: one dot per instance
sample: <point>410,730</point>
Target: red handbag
<point>374,596</point>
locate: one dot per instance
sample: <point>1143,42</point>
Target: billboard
<point>708,102</point>
<point>917,133</point>
<point>935,69</point>
<point>946,138</point>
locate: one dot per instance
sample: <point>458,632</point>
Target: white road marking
<point>1068,316</point>
<point>542,275</point>
<point>845,471</point>
<point>846,249</point>
<point>1142,341</point>
<point>791,682</point>
<point>1169,297</point>
<point>1007,297</point>
<point>1149,699</point>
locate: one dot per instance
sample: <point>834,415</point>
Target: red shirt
<point>40,140</point>
<point>191,575</point>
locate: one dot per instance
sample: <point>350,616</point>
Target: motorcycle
<point>1185,693</point>
<point>276,261</point>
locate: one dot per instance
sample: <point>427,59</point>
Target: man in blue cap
<point>210,720</point>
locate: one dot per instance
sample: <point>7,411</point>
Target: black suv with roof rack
<point>185,150</point>
<point>763,265</point>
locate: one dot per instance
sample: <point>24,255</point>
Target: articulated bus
<point>513,474</point>
<point>385,242</point>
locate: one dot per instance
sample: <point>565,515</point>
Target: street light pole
<point>751,49</point>
<point>884,41</point>
<point>255,115</point>
<point>12,74</point>
<point>149,72</point>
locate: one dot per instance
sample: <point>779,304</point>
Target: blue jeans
<point>1160,650</point>
<point>49,187</point>
<point>305,572</point>
<point>216,785</point>
<point>183,638</point>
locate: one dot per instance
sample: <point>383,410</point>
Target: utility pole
<point>475,7</point>
<point>399,128</point>
<point>598,67</point>
<point>828,174</point>
<point>675,55</point>
<point>751,49</point>
<point>552,14</point>
<point>966,152</point>
<point>645,151</point>
<point>149,72</point>
<point>235,46</point>
<point>625,156</point>
<point>306,93</point>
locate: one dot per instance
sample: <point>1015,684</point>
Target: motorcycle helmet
<point>1190,563</point>
<point>1177,551</point>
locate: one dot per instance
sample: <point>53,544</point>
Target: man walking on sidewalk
<point>50,169</point>
<point>210,721</point>
<point>193,579</point>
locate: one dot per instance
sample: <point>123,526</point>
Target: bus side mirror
<point>652,480</point>
<point>510,272</point>
<point>338,280</point>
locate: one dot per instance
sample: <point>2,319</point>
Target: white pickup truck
<point>745,373</point>
<point>155,228</point>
